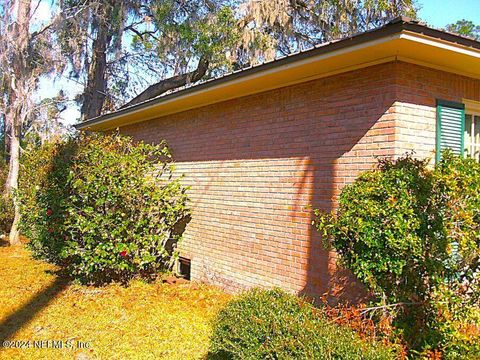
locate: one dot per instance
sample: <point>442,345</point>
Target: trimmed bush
<point>44,192</point>
<point>6,205</point>
<point>411,234</point>
<point>381,229</point>
<point>271,324</point>
<point>103,206</point>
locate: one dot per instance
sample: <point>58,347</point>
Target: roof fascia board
<point>301,80</point>
<point>455,47</point>
<point>337,48</point>
<point>441,35</point>
<point>400,30</point>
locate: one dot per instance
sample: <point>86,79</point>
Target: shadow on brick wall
<point>302,144</point>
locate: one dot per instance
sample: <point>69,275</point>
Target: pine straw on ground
<point>141,321</point>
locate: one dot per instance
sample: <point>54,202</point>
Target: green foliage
<point>6,211</point>
<point>271,324</point>
<point>411,234</point>
<point>104,206</point>
<point>458,324</point>
<point>6,204</point>
<point>457,296</point>
<point>381,229</point>
<point>216,38</point>
<point>44,193</point>
<point>465,28</point>
<point>191,30</point>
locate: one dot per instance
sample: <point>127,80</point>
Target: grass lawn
<point>144,321</point>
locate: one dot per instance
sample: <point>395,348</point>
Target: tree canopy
<point>121,49</point>
<point>466,28</point>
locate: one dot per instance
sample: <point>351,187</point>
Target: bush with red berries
<point>103,206</point>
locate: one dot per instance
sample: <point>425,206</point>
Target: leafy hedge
<point>411,234</point>
<point>103,206</point>
<point>6,205</point>
<point>271,324</point>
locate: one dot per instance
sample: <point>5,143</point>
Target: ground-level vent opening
<point>184,267</point>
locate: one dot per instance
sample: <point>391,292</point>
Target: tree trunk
<point>171,83</point>
<point>11,184</point>
<point>15,112</point>
<point>6,136</point>
<point>14,236</point>
<point>95,91</point>
<point>14,158</point>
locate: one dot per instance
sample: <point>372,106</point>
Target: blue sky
<point>440,13</point>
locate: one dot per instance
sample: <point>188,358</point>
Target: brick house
<point>263,146</point>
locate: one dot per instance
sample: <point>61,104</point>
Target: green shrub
<point>43,188</point>
<point>270,324</point>
<point>6,215</point>
<point>6,204</point>
<point>104,206</point>
<point>457,298</point>
<point>458,324</point>
<point>411,234</point>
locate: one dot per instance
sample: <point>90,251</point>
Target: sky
<point>49,87</point>
<point>436,13</point>
<point>440,13</point>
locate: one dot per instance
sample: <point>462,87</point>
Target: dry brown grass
<point>142,321</point>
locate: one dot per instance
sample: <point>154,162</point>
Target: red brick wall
<point>257,165</point>
<point>415,109</point>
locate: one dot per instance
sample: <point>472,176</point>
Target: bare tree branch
<point>171,83</point>
<point>141,34</point>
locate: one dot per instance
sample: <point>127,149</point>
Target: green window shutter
<point>450,127</point>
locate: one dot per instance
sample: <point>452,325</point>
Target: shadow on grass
<point>4,241</point>
<point>217,356</point>
<point>21,317</point>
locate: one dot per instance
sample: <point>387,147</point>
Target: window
<point>458,128</point>
<point>472,135</point>
<point>450,127</point>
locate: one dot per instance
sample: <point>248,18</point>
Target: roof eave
<point>394,30</point>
